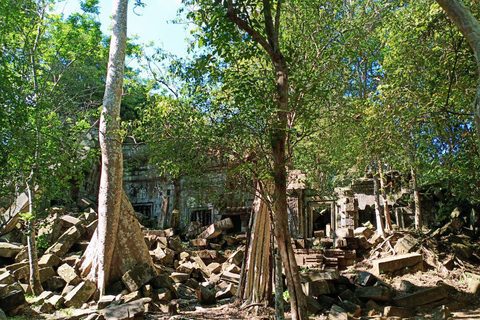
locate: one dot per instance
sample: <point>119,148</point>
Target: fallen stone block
<point>363,231</point>
<point>236,258</point>
<point>206,292</point>
<point>22,255</point>
<point>230,277</point>
<point>391,311</point>
<point>12,300</point>
<point>8,288</point>
<point>125,311</point>
<point>199,243</point>
<point>186,292</point>
<point>202,266</point>
<point>49,260</point>
<point>54,283</point>
<point>68,274</point>
<point>138,276</point>
<point>319,234</point>
<point>316,288</point>
<point>376,293</point>
<point>162,294</point>
<point>366,279</point>
<point>186,267</point>
<point>363,243</point>
<point>22,272</point>
<point>52,303</point>
<point>105,301</point>
<point>162,281</point>
<point>176,245</point>
<point>7,278</point>
<point>214,267</point>
<point>327,274</point>
<point>132,296</point>
<point>41,298</point>
<point>405,245</point>
<point>338,313</point>
<point>65,242</point>
<point>343,233</point>
<point>313,306</point>
<point>352,309</point>
<point>215,229</point>
<point>350,296</point>
<point>80,294</point>
<point>398,264</point>
<point>178,277</point>
<point>229,291</point>
<point>46,273</point>
<point>10,250</point>
<point>422,297</point>
<point>71,259</point>
<point>69,221</point>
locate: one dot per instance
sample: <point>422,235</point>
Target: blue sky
<point>151,23</point>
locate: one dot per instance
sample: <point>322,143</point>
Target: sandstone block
<point>138,276</point>
<point>179,277</point>
<point>422,297</point>
<point>125,311</point>
<point>214,230</point>
<point>49,260</point>
<point>376,293</point>
<point>186,292</point>
<point>338,313</point>
<point>203,243</point>
<point>10,250</point>
<point>80,294</point>
<point>68,274</point>
<point>229,291</point>
<point>313,306</point>
<point>12,300</point>
<point>54,283</point>
<point>41,298</point>
<point>132,296</point>
<point>405,244</point>
<point>162,294</point>
<point>365,279</point>
<point>352,309</point>
<point>316,288</point>
<point>7,278</point>
<point>8,288</point>
<point>391,311</point>
<point>65,242</point>
<point>400,263</point>
<point>105,301</point>
<point>46,273</point>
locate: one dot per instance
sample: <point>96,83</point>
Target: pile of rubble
<point>186,273</point>
<point>358,273</point>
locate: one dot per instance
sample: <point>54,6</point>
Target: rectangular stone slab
<point>396,263</point>
<point>423,297</point>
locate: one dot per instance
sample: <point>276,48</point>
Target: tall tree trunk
<point>386,210</point>
<point>278,137</point>
<point>470,28</point>
<point>378,215</point>
<point>279,309</point>
<point>34,277</point>
<point>416,199</point>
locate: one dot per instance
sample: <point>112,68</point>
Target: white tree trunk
<point>378,214</point>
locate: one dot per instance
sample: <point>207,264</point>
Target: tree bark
<point>34,276</point>
<point>378,214</point>
<point>386,210</point>
<point>416,199</point>
<point>278,137</point>
<point>470,28</point>
<point>255,285</point>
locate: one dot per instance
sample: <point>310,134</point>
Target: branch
<point>245,27</point>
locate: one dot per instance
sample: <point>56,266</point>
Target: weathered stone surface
<point>407,286</point>
<point>125,311</point>
<point>3,316</point>
<point>67,289</point>
<point>352,309</point>
<point>55,301</point>
<point>70,221</point>
<point>229,291</point>
<point>231,241</point>
<point>46,273</point>
<point>206,292</point>
<point>41,298</point>
<point>338,313</point>
<point>71,259</point>
<point>186,292</point>
<point>365,279</point>
<point>22,255</point>
<point>22,272</point>
<point>236,258</point>
<point>105,301</point>
<point>67,273</point>
<point>199,243</point>
<point>178,277</point>
<point>15,266</point>
<point>343,233</point>
<point>313,306</point>
<point>54,283</point>
<point>138,276</point>
<point>162,294</point>
<point>363,243</point>
<point>316,288</point>
<point>376,293</point>
<point>164,256</point>
<point>186,267</point>
<point>162,281</point>
<point>327,274</point>
<point>201,265</point>
<point>214,230</point>
<point>176,245</point>
<point>214,267</point>
<point>350,296</point>
<point>49,260</point>
<point>7,278</point>
<point>230,277</point>
<point>462,250</point>
<point>12,300</point>
<point>8,288</point>
<point>405,244</point>
<point>80,294</point>
<point>135,295</point>
<point>363,231</point>
<point>391,311</point>
<point>400,263</point>
<point>65,242</point>
<point>473,285</point>
<point>421,297</point>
